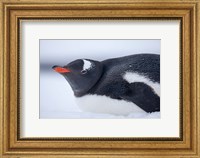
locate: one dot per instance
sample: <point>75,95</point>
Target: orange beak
<point>61,69</point>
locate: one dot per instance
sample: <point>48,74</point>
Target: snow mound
<point>88,115</point>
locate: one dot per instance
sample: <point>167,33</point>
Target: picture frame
<point>12,12</point>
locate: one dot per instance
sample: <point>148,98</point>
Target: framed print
<point>99,79</point>
<point>76,107</point>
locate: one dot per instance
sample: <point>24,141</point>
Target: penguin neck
<point>79,92</point>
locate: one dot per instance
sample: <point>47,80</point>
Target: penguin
<point>119,86</point>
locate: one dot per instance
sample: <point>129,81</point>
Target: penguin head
<point>81,74</point>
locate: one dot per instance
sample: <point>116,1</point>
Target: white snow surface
<point>58,102</point>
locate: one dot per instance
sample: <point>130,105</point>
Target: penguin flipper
<point>143,96</point>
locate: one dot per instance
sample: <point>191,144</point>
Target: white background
<point>56,96</point>
<point>167,126</point>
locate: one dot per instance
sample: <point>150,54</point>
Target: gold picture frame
<point>12,12</point>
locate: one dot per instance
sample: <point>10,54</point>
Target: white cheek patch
<point>87,65</point>
<point>134,77</point>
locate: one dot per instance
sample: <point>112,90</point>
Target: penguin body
<point>117,86</point>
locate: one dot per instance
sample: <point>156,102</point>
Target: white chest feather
<point>104,104</point>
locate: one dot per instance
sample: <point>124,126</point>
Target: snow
<point>87,115</point>
<point>58,102</point>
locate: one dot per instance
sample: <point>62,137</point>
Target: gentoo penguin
<point>118,86</point>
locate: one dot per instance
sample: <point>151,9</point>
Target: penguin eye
<point>84,71</point>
